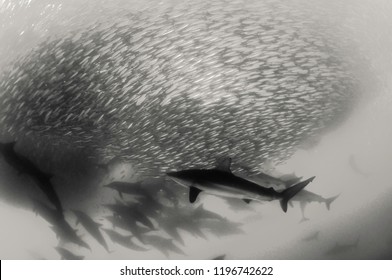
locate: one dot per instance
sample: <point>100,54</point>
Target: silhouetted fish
<point>221,257</point>
<point>124,240</point>
<point>305,197</point>
<point>130,212</point>
<point>68,255</point>
<point>91,226</point>
<point>164,245</point>
<point>129,226</point>
<point>222,228</point>
<point>342,248</point>
<point>312,236</point>
<point>354,166</point>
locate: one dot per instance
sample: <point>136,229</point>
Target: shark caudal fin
<point>292,191</point>
<point>328,201</point>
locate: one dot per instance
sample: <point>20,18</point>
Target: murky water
<point>96,92</point>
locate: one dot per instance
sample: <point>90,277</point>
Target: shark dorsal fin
<point>224,165</point>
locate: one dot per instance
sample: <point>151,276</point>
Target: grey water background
<point>362,210</point>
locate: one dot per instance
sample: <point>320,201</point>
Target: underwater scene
<point>167,129</point>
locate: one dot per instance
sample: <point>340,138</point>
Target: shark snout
<point>170,174</point>
<point>178,178</point>
<point>174,175</point>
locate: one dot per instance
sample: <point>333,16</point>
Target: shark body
<point>221,181</point>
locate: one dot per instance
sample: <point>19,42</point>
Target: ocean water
<point>350,158</point>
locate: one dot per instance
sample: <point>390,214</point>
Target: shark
<point>124,240</point>
<point>91,226</point>
<point>164,245</point>
<point>131,213</point>
<point>220,257</point>
<point>222,228</point>
<point>67,234</point>
<point>313,236</point>
<point>23,165</point>
<point>220,181</point>
<point>127,188</point>
<point>286,181</point>
<point>354,166</point>
<point>58,224</point>
<point>128,225</point>
<point>67,255</point>
<point>306,197</point>
<point>342,248</point>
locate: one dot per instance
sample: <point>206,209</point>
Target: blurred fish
<point>200,213</point>
<point>222,182</point>
<point>67,234</point>
<point>130,212</point>
<point>52,216</point>
<point>127,188</point>
<point>355,168</point>
<point>24,166</point>
<point>68,255</point>
<point>164,245</point>
<point>221,257</point>
<point>342,248</point>
<point>306,197</point>
<point>222,228</point>
<point>91,226</point>
<point>170,227</point>
<point>312,236</point>
<point>107,166</point>
<point>128,225</point>
<point>58,223</point>
<point>190,226</point>
<point>150,206</point>
<point>125,241</point>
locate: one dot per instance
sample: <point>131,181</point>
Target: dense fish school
<point>174,87</point>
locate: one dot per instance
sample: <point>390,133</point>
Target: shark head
<point>185,177</point>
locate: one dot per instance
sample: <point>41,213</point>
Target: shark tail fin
<point>328,201</point>
<point>289,193</point>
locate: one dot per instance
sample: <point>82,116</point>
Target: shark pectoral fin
<point>224,165</point>
<point>289,193</point>
<point>246,200</point>
<point>283,204</point>
<point>193,193</point>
